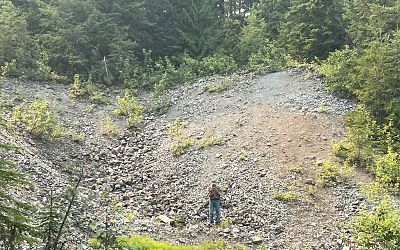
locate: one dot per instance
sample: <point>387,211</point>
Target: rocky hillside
<point>272,132</point>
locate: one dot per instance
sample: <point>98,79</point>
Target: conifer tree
<point>15,215</point>
<point>200,30</point>
<point>313,29</point>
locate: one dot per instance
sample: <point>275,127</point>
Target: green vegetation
<point>78,137</point>
<point>378,229</point>
<point>155,45</point>
<point>180,140</point>
<point>289,196</point>
<point>39,118</point>
<point>221,86</point>
<point>108,127</point>
<point>141,242</point>
<point>244,156</point>
<point>129,107</point>
<point>296,169</point>
<point>330,173</point>
<point>209,139</point>
<point>16,224</point>
<point>85,89</point>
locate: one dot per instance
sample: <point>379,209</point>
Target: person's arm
<point>218,190</point>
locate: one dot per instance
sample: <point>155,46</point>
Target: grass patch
<point>136,242</point>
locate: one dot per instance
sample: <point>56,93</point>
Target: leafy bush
<point>387,168</point>
<point>252,37</point>
<point>218,64</point>
<point>77,137</point>
<point>129,107</point>
<point>160,100</point>
<point>87,88</point>
<point>378,229</point>
<point>360,145</point>
<point>269,58</point>
<point>96,97</point>
<point>338,70</point>
<point>289,196</point>
<point>210,139</point>
<point>221,86</point>
<point>108,127</point>
<point>180,140</point>
<point>298,169</point>
<point>189,68</point>
<point>330,173</point>
<point>39,118</point>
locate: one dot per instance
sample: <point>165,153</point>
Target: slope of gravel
<point>267,124</point>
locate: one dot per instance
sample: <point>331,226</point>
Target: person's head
<point>213,185</point>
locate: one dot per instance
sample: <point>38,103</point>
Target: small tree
<point>15,215</point>
<point>129,107</point>
<point>252,38</point>
<point>39,118</point>
<point>361,130</point>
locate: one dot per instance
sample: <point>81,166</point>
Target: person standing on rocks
<point>215,203</point>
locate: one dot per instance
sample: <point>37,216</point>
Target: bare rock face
<point>267,126</point>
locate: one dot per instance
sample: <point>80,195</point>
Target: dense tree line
<point>55,39</point>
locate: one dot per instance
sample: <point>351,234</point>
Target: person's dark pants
<point>215,207</point>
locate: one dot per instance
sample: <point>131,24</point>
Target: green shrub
<point>180,140</point>
<point>244,156</point>
<point>77,137</point>
<point>218,64</point>
<point>338,70</point>
<point>77,88</point>
<point>159,99</point>
<point>189,68</point>
<point>296,169</point>
<point>374,191</point>
<point>387,169</point>
<point>221,86</point>
<point>267,59</point>
<point>209,139</point>
<point>108,127</point>
<point>86,89</point>
<point>252,37</point>
<point>17,221</point>
<point>378,229</point>
<point>289,196</point>
<point>330,173</point>
<point>360,145</point>
<point>130,108</point>
<point>39,119</point>
<point>180,144</point>
<point>96,97</point>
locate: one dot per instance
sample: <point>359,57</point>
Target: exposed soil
<point>269,125</point>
